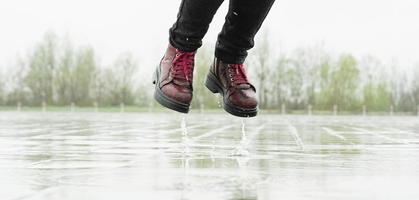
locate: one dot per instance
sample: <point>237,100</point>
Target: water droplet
<point>219,100</point>
<point>243,130</point>
<point>183,126</point>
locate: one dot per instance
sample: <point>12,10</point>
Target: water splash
<point>244,138</point>
<point>185,137</point>
<point>219,100</point>
<point>183,127</point>
<point>241,150</point>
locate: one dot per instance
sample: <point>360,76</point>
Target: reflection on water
<point>171,156</point>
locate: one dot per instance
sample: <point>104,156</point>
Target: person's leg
<point>173,77</point>
<point>227,74</point>
<point>243,21</point>
<point>192,23</point>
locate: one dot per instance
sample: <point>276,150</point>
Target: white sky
<point>384,28</point>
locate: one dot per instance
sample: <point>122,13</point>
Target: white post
<point>283,109</point>
<point>310,109</point>
<point>122,107</point>
<point>335,109</point>
<point>44,106</point>
<point>364,110</point>
<point>19,106</point>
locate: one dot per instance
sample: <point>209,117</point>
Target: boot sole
<point>164,100</point>
<point>214,86</point>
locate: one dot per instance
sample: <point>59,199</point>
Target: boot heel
<point>211,84</point>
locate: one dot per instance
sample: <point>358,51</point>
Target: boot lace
<point>183,66</point>
<point>237,74</point>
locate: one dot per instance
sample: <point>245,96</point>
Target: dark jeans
<point>242,22</point>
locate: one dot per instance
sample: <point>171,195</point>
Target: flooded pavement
<point>107,156</point>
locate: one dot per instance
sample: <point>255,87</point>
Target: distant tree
<point>123,70</point>
<point>376,96</point>
<point>74,75</point>
<point>64,80</point>
<point>142,97</point>
<point>408,87</point>
<point>202,96</point>
<point>306,65</point>
<point>2,92</point>
<point>83,74</point>
<point>339,84</point>
<point>18,90</point>
<point>106,88</point>
<point>99,91</point>
<point>345,83</point>
<point>261,66</point>
<point>415,85</point>
<point>294,83</point>
<point>279,94</point>
<point>42,63</point>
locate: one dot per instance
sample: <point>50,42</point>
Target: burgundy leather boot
<point>230,80</point>
<point>173,80</point>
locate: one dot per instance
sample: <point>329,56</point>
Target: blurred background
<point>353,56</point>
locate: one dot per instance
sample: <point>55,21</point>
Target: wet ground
<point>158,156</point>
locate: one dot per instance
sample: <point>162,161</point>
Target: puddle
<point>103,156</point>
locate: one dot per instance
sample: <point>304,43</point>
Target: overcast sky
<point>384,28</point>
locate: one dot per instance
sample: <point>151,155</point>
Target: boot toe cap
<point>244,102</point>
<point>177,93</point>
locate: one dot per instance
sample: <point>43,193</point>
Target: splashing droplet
<point>183,126</point>
<point>243,130</point>
<point>241,150</point>
<point>219,99</point>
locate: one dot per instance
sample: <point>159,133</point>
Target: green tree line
<point>56,72</point>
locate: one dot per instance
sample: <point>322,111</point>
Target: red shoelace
<point>237,74</point>
<point>183,66</point>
